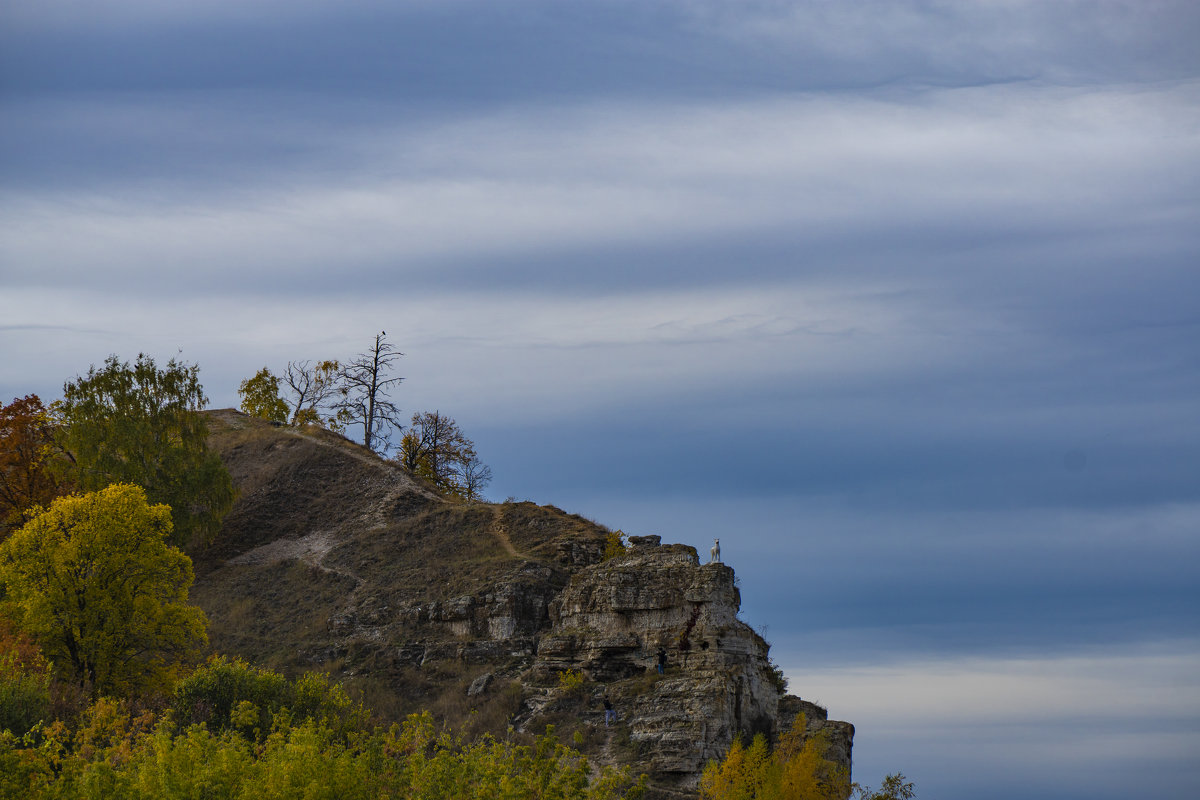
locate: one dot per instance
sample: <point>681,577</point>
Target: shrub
<point>24,692</point>
<point>230,694</point>
<point>776,676</point>
<point>614,545</point>
<point>570,682</point>
<point>213,692</point>
<point>895,787</point>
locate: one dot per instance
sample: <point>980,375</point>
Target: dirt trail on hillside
<point>500,531</point>
<point>373,459</point>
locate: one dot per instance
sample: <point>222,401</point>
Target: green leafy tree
<point>96,583</point>
<point>114,754</point>
<point>260,397</point>
<point>30,472</point>
<point>140,424</point>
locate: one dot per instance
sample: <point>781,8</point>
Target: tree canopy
<point>95,582</point>
<point>28,478</point>
<point>260,397</point>
<point>312,389</point>
<point>894,787</point>
<point>435,448</point>
<point>140,424</point>
<point>796,769</point>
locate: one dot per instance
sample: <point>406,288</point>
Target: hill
<point>496,617</point>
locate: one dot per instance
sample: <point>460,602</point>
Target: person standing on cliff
<point>610,715</point>
<point>662,661</point>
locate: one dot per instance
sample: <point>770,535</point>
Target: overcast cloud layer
<point>898,299</point>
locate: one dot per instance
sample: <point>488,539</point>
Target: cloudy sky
<point>899,299</point>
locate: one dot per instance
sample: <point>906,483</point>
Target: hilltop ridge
<point>333,558</point>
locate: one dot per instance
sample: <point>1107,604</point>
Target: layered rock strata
<point>613,618</point>
<point>335,558</point>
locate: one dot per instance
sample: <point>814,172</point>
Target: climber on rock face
<point>662,660</point>
<point>715,554</point>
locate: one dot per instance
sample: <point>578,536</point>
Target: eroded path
<point>499,529</point>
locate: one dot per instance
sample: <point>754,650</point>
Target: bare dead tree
<point>365,385</point>
<point>311,389</point>
<point>474,475</point>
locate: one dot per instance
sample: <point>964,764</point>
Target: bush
<point>777,678</point>
<point>614,545</point>
<point>895,787</point>
<point>215,690</point>
<point>230,694</point>
<point>570,682</point>
<point>24,693</point>
<point>416,760</point>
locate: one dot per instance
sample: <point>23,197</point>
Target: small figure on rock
<point>662,660</point>
<point>715,555</point>
<point>610,715</point>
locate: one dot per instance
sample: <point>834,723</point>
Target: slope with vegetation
<point>365,608</point>
<point>336,559</point>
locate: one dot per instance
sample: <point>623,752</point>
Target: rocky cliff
<point>495,616</point>
<point>613,619</point>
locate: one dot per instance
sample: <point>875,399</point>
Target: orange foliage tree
<point>797,769</point>
<point>27,453</point>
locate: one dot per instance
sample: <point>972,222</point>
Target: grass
<point>396,548</point>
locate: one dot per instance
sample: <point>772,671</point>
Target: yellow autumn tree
<point>260,397</point>
<point>797,769</point>
<point>615,545</point>
<point>95,582</point>
<point>435,449</point>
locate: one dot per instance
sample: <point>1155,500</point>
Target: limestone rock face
<point>334,558</point>
<point>612,619</point>
<point>838,735</point>
<point>517,606</point>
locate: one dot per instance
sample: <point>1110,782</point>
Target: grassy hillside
<point>335,559</point>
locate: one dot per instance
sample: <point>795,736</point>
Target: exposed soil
<point>328,544</point>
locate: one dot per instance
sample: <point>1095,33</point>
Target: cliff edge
<point>496,617</point>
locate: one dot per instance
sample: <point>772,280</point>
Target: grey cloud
<point>945,41</point>
<point>898,299</point>
<point>616,197</point>
<point>482,53</point>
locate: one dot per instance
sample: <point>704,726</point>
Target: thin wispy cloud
<point>808,174</point>
<point>898,299</point>
<point>1070,724</point>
